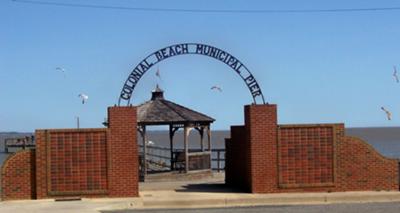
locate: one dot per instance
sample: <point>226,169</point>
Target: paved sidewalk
<point>173,199</point>
<point>194,194</point>
<point>83,206</point>
<point>392,207</point>
<point>183,199</point>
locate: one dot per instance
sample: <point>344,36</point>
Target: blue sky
<point>317,67</point>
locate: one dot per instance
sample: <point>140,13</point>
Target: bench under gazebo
<point>159,111</point>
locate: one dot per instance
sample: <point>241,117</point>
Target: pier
<point>21,143</point>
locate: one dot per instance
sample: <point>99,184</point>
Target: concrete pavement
<point>84,206</point>
<point>183,199</point>
<point>392,207</point>
<point>208,193</point>
<point>170,199</point>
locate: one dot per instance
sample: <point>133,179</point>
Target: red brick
<point>79,162</point>
<point>17,176</point>
<point>123,152</point>
<point>263,157</point>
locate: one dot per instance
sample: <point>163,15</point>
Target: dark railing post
<point>218,161</point>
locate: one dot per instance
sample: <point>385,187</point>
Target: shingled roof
<point>158,111</point>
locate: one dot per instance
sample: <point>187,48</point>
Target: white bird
<point>216,88</point>
<point>83,97</point>
<point>388,113</point>
<point>61,70</point>
<point>150,143</point>
<point>395,74</point>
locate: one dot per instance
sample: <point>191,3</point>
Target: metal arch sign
<point>185,49</point>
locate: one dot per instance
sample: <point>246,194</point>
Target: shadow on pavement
<point>208,187</point>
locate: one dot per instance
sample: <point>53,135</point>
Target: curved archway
<point>185,49</point>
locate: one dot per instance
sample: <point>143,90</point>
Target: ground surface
<point>209,195</point>
<point>334,208</point>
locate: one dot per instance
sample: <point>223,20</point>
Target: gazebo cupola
<point>159,111</point>
<point>157,94</point>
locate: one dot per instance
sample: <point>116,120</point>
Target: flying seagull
<point>216,88</point>
<point>388,114</point>
<point>83,97</point>
<point>61,70</point>
<point>395,74</point>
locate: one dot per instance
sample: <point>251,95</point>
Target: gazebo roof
<point>158,111</point>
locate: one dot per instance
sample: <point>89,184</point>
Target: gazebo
<point>159,111</point>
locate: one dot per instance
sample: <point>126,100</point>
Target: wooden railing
<point>219,159</point>
<point>25,142</point>
<point>162,156</point>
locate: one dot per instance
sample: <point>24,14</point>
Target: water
<point>386,140</point>
<point>4,135</point>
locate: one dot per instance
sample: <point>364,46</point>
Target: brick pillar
<point>261,132</point>
<point>41,164</point>
<point>123,152</point>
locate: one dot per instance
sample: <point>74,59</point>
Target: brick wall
<point>261,157</point>
<point>360,167</point>
<point>123,152</point>
<point>18,176</point>
<point>78,162</point>
<point>89,162</point>
<point>303,158</point>
<point>306,155</point>
<point>71,162</point>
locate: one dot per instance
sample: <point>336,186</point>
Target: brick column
<point>261,132</point>
<point>123,152</point>
<point>41,164</point>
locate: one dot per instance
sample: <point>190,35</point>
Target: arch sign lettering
<point>185,49</point>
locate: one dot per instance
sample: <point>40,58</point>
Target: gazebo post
<point>201,131</point>
<point>171,138</point>
<point>209,143</point>
<point>186,145</point>
<point>209,137</point>
<point>144,138</point>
